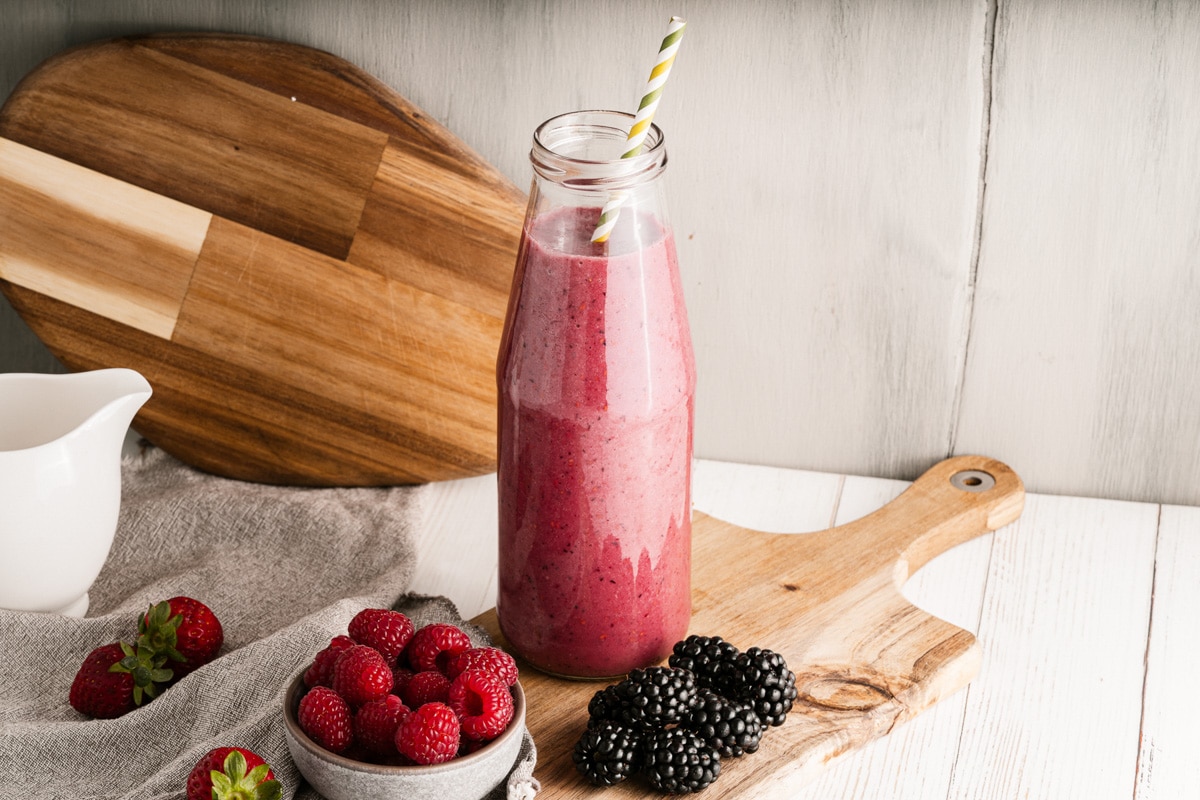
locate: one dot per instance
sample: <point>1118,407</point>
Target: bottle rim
<point>558,141</point>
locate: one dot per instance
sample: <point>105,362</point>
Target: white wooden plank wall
<point>1081,372</point>
<point>898,241</point>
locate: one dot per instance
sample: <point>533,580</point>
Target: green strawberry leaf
<point>159,632</point>
<point>222,786</point>
<point>146,667</point>
<point>235,766</point>
<point>235,784</point>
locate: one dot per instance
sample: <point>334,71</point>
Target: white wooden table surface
<point>1088,612</point>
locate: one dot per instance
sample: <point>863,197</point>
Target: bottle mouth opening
<point>583,149</point>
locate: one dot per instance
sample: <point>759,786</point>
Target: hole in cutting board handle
<point>972,480</point>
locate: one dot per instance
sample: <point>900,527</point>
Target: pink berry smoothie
<point>596,377</point>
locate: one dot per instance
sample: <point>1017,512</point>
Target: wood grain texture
<point>457,550</point>
<point>71,234</point>
<point>207,139</point>
<point>1085,331</point>
<point>913,762</point>
<point>866,660</point>
<point>1056,710</point>
<point>827,234</point>
<point>419,190</point>
<point>1167,762</point>
<point>336,317</point>
<point>828,262</point>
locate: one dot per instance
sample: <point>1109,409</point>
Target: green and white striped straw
<point>641,122</point>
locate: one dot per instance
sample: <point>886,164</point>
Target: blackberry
<point>731,727</point>
<point>608,753</point>
<point>655,696</point>
<point>677,761</point>
<point>765,682</point>
<point>605,705</point>
<point>710,658</point>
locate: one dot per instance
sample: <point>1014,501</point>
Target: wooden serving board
<point>865,658</point>
<point>310,272</point>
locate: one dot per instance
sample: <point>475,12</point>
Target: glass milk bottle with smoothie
<point>596,382</point>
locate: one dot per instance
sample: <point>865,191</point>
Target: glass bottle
<point>596,380</point>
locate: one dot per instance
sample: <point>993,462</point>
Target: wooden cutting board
<point>310,272</point>
<point>865,658</point>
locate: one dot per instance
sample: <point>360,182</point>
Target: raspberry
<point>429,735</point>
<point>430,686</point>
<point>483,704</point>
<point>400,678</point>
<point>376,722</point>
<point>325,717</point>
<point>489,659</point>
<point>433,646</point>
<point>468,746</point>
<point>387,631</point>
<point>360,675</point>
<point>320,672</point>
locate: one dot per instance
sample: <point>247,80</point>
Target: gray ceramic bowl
<point>468,777</point>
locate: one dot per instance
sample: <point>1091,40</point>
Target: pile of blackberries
<point>673,725</point>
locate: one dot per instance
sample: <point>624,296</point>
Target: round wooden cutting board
<point>311,274</point>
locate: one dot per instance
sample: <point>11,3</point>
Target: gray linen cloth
<point>284,569</point>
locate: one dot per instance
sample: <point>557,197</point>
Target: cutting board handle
<point>955,500</point>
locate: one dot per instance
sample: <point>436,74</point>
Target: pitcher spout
<point>120,394</point>
<point>38,410</point>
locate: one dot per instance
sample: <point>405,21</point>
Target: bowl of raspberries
<point>388,710</point>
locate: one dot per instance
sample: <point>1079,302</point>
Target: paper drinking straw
<point>642,120</point>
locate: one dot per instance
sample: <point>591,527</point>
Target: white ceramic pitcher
<point>60,482</point>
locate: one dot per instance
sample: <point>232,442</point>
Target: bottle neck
<point>581,152</point>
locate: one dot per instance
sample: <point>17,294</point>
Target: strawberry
<point>320,672</point>
<point>435,645</point>
<point>232,773</point>
<point>360,675</point>
<point>99,692</point>
<point>325,717</point>
<point>386,630</point>
<point>183,629</point>
<point>115,679</point>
